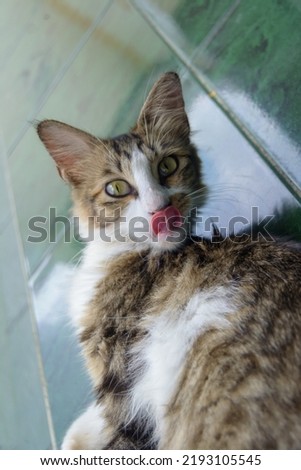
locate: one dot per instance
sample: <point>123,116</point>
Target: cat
<point>190,344</point>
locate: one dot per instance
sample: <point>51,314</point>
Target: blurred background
<point>91,64</point>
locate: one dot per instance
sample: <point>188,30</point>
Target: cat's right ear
<point>69,147</point>
<point>163,116</point>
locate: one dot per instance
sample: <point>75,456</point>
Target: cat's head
<point>136,188</point>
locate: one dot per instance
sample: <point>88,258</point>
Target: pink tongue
<point>166,220</point>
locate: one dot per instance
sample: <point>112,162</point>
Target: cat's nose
<point>161,208</point>
<point>158,208</point>
<point>155,201</point>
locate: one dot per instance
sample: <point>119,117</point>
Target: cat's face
<point>138,187</point>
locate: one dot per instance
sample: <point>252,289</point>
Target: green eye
<point>118,188</point>
<point>168,166</point>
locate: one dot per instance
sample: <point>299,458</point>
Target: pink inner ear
<point>70,167</point>
<point>70,160</point>
<point>66,162</point>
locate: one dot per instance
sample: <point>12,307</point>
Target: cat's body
<point>190,344</point>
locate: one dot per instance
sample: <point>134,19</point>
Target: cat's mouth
<point>166,221</point>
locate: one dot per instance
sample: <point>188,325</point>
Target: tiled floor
<point>91,64</point>
<point>23,392</point>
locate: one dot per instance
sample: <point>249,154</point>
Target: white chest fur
<point>88,275</point>
<point>162,355</point>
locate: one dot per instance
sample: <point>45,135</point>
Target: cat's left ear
<point>163,115</point>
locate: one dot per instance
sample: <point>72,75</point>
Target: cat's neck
<point>94,266</point>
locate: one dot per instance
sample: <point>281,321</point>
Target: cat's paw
<point>87,432</point>
<point>73,442</point>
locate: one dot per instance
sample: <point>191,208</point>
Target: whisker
<point>79,253</point>
<point>100,145</point>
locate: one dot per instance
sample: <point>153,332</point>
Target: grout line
<point>59,76</point>
<point>143,7</point>
<point>217,28</point>
<point>29,298</point>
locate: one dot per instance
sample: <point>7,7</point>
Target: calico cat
<point>190,344</point>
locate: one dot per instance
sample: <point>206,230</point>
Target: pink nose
<point>166,220</point>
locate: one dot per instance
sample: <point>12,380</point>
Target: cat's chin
<point>156,245</point>
<point>166,241</point>
<point>157,248</point>
<point>112,242</point>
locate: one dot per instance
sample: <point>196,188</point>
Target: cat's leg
<point>89,431</point>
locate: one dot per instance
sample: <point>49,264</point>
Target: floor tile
<point>68,385</point>
<point>23,394</point>
<point>255,64</point>
<point>40,42</point>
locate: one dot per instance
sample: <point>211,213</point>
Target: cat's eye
<point>168,166</point>
<point>118,188</point>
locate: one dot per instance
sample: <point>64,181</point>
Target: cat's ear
<point>69,147</point>
<point>163,114</point>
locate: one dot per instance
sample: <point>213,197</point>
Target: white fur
<point>152,195</point>
<point>87,431</point>
<point>151,198</point>
<point>89,274</point>
<point>164,351</point>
